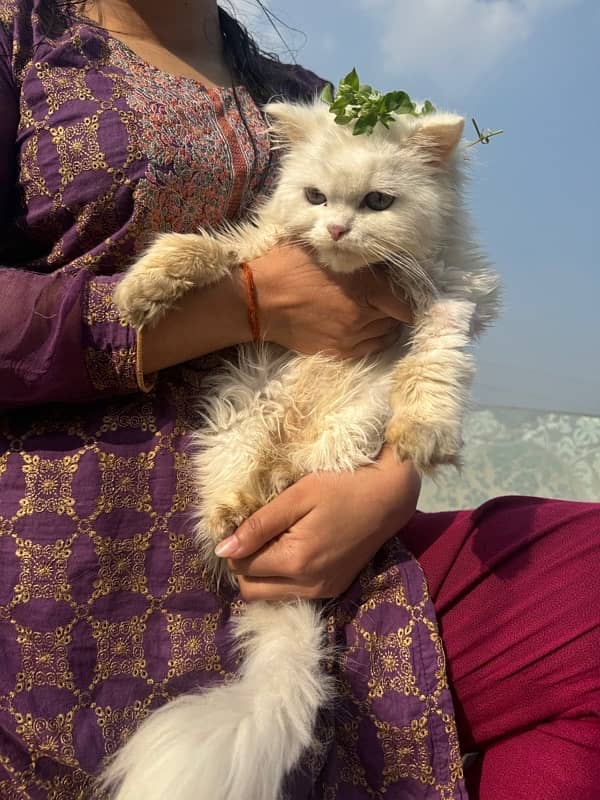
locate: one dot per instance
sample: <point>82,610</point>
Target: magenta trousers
<point>516,586</point>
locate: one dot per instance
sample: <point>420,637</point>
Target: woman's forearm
<point>204,321</point>
<point>301,306</point>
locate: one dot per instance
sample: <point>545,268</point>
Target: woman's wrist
<point>398,484</point>
<point>205,320</point>
<point>267,286</point>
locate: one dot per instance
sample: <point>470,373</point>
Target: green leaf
<point>327,94</point>
<point>352,80</point>
<point>406,106</point>
<point>339,104</point>
<point>366,106</point>
<point>362,125</point>
<point>394,100</point>
<point>372,118</point>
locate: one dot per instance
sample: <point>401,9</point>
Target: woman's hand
<point>309,309</point>
<point>314,539</point>
<point>301,306</point>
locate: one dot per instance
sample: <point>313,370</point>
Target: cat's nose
<point>337,231</point>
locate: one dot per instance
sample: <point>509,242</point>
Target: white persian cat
<point>392,200</point>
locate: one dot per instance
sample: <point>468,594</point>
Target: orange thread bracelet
<point>252,301</point>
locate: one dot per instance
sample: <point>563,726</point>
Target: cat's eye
<point>378,201</point>
<point>314,196</point>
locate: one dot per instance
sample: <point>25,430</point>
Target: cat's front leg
<point>431,386</point>
<point>173,265</point>
<point>178,262</point>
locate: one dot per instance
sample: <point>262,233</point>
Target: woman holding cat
<point>122,119</point>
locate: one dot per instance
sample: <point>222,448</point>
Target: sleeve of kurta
<point>60,335</point>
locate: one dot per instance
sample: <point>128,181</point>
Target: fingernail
<point>227,547</point>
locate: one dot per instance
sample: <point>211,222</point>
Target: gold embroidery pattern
<point>77,148</point>
<point>49,483</point>
<point>43,571</point>
<point>48,737</point>
<point>121,565</point>
<point>61,85</point>
<point>392,672</point>
<point>45,659</point>
<point>111,370</point>
<point>100,307</point>
<point>125,482</point>
<point>391,663</point>
<point>193,644</point>
<point>138,416</point>
<point>187,571</point>
<point>120,648</point>
<point>117,725</point>
<point>405,752</point>
<point>186,487</point>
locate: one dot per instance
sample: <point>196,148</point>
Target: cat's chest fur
<point>317,412</point>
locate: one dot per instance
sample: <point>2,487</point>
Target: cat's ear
<point>293,122</point>
<point>439,135</point>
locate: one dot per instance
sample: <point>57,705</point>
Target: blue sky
<point>531,67</point>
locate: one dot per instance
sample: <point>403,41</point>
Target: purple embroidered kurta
<point>105,612</point>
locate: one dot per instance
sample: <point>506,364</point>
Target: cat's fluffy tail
<point>234,742</point>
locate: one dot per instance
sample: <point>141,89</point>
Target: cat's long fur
<point>275,416</point>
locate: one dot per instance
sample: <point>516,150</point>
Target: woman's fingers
<point>266,563</point>
<point>278,589</point>
<point>264,525</point>
<point>380,327</point>
<point>382,295</point>
<point>370,346</point>
<point>280,558</point>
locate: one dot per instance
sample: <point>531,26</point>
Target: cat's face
<point>358,199</point>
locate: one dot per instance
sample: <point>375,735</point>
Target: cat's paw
<point>150,287</point>
<point>426,445</point>
<point>223,519</point>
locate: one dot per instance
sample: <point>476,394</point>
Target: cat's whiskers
<point>408,266</point>
<point>298,240</point>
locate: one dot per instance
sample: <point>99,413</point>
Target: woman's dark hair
<point>262,73</point>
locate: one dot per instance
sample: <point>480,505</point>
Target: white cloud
<point>454,39</point>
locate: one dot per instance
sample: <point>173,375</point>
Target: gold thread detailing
<point>193,645</point>
<point>45,658</point>
<point>187,571</point>
<point>100,307</point>
<point>121,565</point>
<point>43,571</point>
<point>117,725</point>
<point>120,648</point>
<point>50,738</point>
<point>49,484</point>
<point>113,370</point>
<point>125,481</point>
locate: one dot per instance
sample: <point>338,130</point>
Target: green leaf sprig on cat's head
<point>364,106</point>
